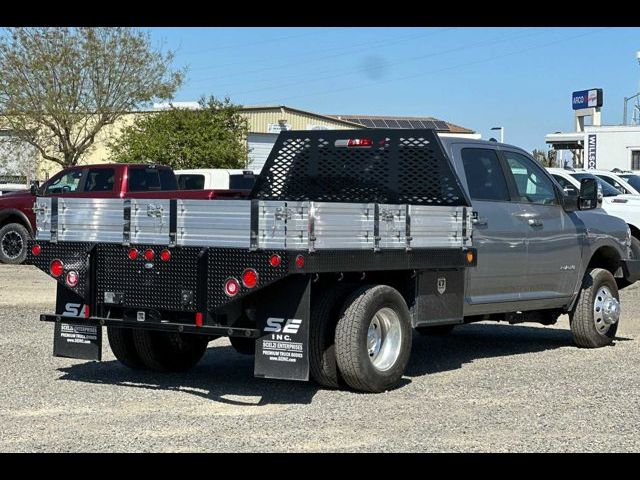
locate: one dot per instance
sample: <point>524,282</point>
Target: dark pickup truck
<point>17,219</point>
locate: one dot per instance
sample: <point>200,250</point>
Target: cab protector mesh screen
<point>399,166</point>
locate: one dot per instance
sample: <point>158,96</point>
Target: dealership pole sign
<point>587,99</point>
<point>591,152</point>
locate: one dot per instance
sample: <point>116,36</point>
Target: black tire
<point>583,319</point>
<point>124,348</point>
<point>13,243</point>
<point>635,248</point>
<point>168,351</point>
<point>435,330</point>
<point>245,346</point>
<point>352,355</point>
<point>322,330</point>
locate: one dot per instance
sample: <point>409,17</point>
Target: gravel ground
<point>486,387</point>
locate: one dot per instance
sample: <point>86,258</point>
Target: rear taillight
<point>275,260</point>
<point>35,250</point>
<point>133,254</point>
<point>199,318</point>
<point>299,261</point>
<point>165,255</point>
<point>56,268</point>
<point>72,278</point>
<point>149,255</point>
<point>249,278</point>
<point>231,287</point>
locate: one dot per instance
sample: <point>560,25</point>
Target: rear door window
<point>485,178</point>
<point>144,179</point>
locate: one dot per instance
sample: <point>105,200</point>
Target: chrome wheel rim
<point>606,310</point>
<point>11,244</point>
<point>384,339</point>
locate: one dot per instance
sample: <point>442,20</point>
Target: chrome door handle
<point>535,222</point>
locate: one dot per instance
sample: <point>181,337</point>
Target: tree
<point>546,159</point>
<point>212,136</point>
<point>60,86</point>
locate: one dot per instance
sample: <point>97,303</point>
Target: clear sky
<point>519,78</point>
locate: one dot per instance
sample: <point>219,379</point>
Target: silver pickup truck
<point>348,240</point>
<point>540,252</point>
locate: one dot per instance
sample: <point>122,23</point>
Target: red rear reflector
<point>299,261</point>
<point>360,142</point>
<point>56,268</point>
<point>86,311</point>
<point>249,278</point>
<point>199,319</point>
<point>275,260</point>
<point>165,255</point>
<point>72,278</point>
<point>231,287</point>
<point>149,254</point>
<point>133,254</point>
<point>35,250</point>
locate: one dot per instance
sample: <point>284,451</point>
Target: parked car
<point>616,181</point>
<point>6,188</point>
<point>215,178</point>
<point>631,178</point>
<point>614,202</point>
<point>341,248</point>
<point>17,219</point>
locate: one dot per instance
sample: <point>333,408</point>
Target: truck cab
<point>533,244</point>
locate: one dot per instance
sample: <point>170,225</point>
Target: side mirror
<point>590,193</point>
<point>35,188</point>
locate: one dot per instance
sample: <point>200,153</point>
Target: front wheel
<point>594,321</point>
<point>13,243</point>
<point>373,338</point>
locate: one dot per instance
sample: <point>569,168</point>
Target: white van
<point>215,179</point>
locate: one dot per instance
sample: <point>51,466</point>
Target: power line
<point>350,71</point>
<point>262,42</point>
<point>462,65</point>
<point>314,58</point>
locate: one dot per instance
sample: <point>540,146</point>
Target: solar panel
<point>392,123</point>
<point>366,122</point>
<point>440,125</point>
<point>404,124</point>
<point>379,123</point>
<point>416,124</point>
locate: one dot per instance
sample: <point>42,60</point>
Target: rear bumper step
<point>159,326</point>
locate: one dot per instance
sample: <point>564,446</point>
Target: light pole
<point>501,133</point>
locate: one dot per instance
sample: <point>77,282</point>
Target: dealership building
<point>596,146</point>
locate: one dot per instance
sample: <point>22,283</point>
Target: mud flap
<point>74,337</point>
<point>282,351</point>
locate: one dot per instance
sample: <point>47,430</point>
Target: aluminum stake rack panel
<point>256,224</point>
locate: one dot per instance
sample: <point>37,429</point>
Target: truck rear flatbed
<point>337,218</point>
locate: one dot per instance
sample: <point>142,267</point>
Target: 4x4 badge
<point>442,285</point>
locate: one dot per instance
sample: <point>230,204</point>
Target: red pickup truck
<point>17,220</point>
